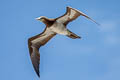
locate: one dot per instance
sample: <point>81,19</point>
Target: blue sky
<point>95,57</point>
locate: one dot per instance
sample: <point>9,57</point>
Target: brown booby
<point>53,27</point>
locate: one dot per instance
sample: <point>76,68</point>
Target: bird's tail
<point>72,35</point>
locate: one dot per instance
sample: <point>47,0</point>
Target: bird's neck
<point>48,22</point>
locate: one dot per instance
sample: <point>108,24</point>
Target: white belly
<point>59,28</point>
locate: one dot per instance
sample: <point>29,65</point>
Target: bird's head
<point>42,18</point>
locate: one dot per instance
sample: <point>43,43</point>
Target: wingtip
<point>95,22</point>
<point>79,37</point>
<point>83,14</point>
<point>38,75</point>
<point>37,72</point>
<point>98,24</point>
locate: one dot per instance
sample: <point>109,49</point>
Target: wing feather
<point>34,43</point>
<point>71,14</point>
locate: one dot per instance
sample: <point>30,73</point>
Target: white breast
<point>59,28</point>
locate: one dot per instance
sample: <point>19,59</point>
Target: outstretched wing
<point>70,15</point>
<point>34,43</point>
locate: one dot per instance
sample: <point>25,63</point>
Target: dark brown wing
<point>34,43</point>
<point>70,15</point>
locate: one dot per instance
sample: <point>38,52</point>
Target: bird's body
<point>59,28</point>
<point>53,27</point>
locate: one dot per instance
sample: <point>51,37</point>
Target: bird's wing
<point>34,43</point>
<point>70,15</point>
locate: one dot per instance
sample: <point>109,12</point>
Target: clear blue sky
<point>95,57</point>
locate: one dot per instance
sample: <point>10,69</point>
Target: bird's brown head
<point>45,20</point>
<point>42,18</point>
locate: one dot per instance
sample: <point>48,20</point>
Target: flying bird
<point>53,27</point>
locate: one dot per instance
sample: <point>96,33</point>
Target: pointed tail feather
<point>73,35</point>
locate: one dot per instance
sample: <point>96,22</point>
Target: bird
<point>53,27</point>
